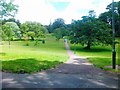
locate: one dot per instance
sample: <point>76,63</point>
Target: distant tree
<point>60,33</point>
<point>9,30</point>
<point>34,30</point>
<point>58,23</point>
<point>24,28</point>
<point>92,14</point>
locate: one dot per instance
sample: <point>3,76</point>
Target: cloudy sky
<point>44,11</point>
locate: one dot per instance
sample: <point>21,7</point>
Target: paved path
<point>75,73</point>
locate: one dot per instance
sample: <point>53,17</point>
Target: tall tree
<point>90,31</point>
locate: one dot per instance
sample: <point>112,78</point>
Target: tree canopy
<point>58,23</point>
<point>90,31</point>
<point>107,16</point>
<point>8,8</point>
<point>9,30</point>
<point>33,30</point>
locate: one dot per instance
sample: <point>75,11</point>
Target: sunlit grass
<point>27,59</point>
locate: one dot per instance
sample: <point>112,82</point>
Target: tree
<point>8,8</point>
<point>94,33</point>
<point>34,30</point>
<point>9,30</point>
<point>92,14</point>
<point>90,31</point>
<point>60,32</point>
<point>107,16</point>
<point>58,23</point>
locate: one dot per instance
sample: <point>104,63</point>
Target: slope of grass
<point>100,56</point>
<point>20,58</point>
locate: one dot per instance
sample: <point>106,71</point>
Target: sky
<point>46,11</point>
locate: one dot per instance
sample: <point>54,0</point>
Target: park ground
<point>77,69</point>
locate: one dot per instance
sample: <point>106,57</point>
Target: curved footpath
<point>75,73</point>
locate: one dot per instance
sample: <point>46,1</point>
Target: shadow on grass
<point>2,53</point>
<point>29,65</point>
<point>67,75</point>
<point>94,49</point>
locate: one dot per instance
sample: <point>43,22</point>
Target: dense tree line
<point>87,31</point>
<point>12,29</point>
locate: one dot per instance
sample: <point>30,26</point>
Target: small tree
<point>34,30</point>
<point>9,30</point>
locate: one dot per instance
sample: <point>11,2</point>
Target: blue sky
<point>60,6</point>
<point>44,11</point>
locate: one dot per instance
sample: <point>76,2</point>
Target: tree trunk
<point>88,45</point>
<point>119,28</point>
<point>9,43</point>
<point>32,38</point>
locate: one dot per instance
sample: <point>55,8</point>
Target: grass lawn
<point>100,56</point>
<point>20,58</point>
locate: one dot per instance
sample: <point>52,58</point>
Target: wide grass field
<point>20,58</point>
<point>100,56</point>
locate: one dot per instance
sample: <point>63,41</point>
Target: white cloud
<point>43,11</point>
<point>35,11</point>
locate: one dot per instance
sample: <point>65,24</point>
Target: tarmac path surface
<point>77,72</point>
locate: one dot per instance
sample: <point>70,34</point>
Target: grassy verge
<point>100,56</point>
<point>20,58</point>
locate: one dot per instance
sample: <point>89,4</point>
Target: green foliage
<point>34,30</point>
<point>9,29</point>
<point>8,8</point>
<point>90,31</point>
<point>60,32</point>
<point>31,34</point>
<point>107,16</point>
<point>58,23</point>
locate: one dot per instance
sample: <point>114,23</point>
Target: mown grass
<point>20,58</point>
<point>100,56</point>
